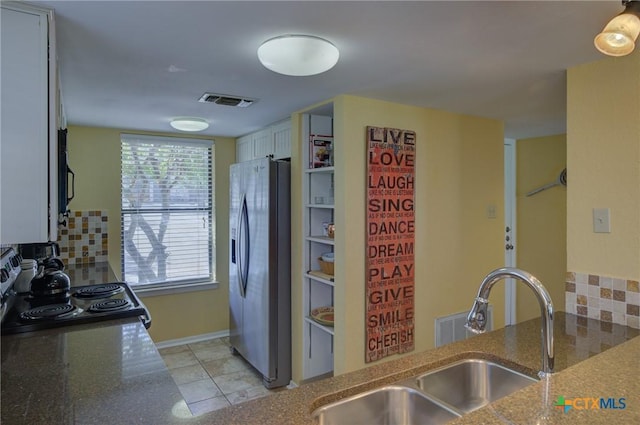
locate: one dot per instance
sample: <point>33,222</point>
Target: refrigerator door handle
<point>243,246</point>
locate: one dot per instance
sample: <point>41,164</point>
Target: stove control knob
<point>4,275</point>
<point>15,261</point>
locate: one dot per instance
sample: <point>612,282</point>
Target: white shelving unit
<point>318,287</point>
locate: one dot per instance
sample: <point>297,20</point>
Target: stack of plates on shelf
<point>323,315</point>
<point>328,257</point>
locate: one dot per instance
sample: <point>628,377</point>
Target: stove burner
<point>41,301</point>
<point>109,305</point>
<point>99,291</point>
<point>48,312</point>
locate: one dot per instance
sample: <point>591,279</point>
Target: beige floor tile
<point>180,359</point>
<point>186,374</point>
<point>194,367</point>
<point>209,405</point>
<point>207,343</point>
<point>199,390</point>
<point>181,410</point>
<point>237,381</point>
<point>248,394</point>
<point>213,351</point>
<point>173,350</point>
<point>225,366</point>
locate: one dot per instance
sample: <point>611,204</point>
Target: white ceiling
<point>137,64</point>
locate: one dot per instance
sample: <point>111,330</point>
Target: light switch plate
<point>491,211</point>
<point>601,220</point>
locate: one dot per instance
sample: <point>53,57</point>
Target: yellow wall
<point>94,155</point>
<point>459,172</point>
<point>603,156</point>
<point>541,221</point>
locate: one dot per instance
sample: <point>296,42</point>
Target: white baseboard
<point>192,339</point>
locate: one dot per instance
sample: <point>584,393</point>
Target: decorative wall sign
<point>390,266</point>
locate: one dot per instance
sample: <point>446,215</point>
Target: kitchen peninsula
<point>593,359</point>
<point>108,374</point>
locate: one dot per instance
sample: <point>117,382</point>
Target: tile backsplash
<point>604,298</point>
<point>84,239</point>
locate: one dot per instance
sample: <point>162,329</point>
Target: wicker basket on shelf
<point>325,266</point>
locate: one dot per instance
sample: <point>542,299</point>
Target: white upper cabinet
<point>244,148</point>
<point>274,140</point>
<point>28,144</point>
<point>282,140</point>
<point>262,143</point>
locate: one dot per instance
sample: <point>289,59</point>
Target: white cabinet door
<point>274,140</point>
<point>24,144</point>
<point>282,140</point>
<point>262,143</point>
<point>244,149</point>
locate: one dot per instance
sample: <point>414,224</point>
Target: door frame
<point>510,228</point>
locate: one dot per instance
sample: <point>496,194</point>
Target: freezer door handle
<point>242,245</point>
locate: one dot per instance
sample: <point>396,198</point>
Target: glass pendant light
<point>619,35</point>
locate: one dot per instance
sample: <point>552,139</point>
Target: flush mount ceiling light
<point>189,124</point>
<point>619,35</point>
<point>298,55</point>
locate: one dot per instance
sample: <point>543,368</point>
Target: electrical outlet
<point>601,220</point>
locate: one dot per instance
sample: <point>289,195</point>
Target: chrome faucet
<point>477,318</point>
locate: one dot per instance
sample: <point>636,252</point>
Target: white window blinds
<point>167,210</point>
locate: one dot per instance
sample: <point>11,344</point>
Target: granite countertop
<point>104,373</point>
<point>111,372</point>
<point>100,373</point>
<point>592,359</point>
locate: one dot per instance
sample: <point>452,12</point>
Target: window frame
<point>173,286</point>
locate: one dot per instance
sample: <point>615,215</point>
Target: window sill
<point>183,288</point>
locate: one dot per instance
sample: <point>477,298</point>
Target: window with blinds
<point>167,210</point>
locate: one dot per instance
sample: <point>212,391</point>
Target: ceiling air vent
<point>225,100</point>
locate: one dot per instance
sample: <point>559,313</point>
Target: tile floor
<point>210,377</point>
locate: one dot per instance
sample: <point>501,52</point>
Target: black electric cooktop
<point>82,304</point>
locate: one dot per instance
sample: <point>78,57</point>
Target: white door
<point>510,227</point>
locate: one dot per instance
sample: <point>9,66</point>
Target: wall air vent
<point>226,100</point>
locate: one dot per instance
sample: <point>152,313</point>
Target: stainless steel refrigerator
<point>260,267</point>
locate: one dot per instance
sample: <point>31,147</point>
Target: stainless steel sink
<point>435,397</point>
<point>393,404</point>
<point>470,384</point>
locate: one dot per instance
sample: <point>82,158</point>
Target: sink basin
<point>393,404</point>
<point>470,384</point>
